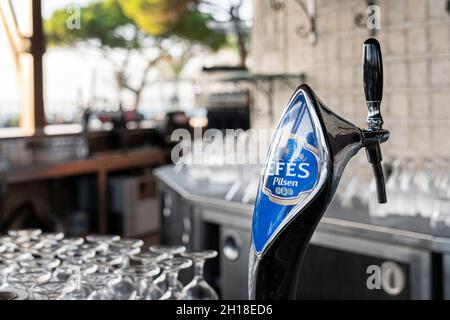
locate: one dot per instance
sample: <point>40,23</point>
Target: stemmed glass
<point>103,264</point>
<point>51,237</point>
<point>136,283</point>
<point>170,252</point>
<point>107,262</point>
<point>49,251</point>
<point>8,243</point>
<point>51,267</point>
<point>25,239</point>
<point>408,189</point>
<point>440,213</point>
<point>53,290</point>
<point>5,270</point>
<point>173,267</point>
<point>73,267</point>
<point>103,240</point>
<point>441,194</point>
<point>27,279</point>
<point>77,254</point>
<point>149,257</point>
<point>100,238</point>
<point>26,233</point>
<point>72,242</point>
<point>423,182</point>
<point>127,243</point>
<point>100,283</point>
<point>43,263</point>
<point>14,256</point>
<point>126,248</point>
<point>30,244</point>
<point>97,248</point>
<point>76,266</point>
<point>198,288</point>
<point>73,270</point>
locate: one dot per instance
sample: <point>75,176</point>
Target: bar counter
<point>100,164</point>
<point>405,240</point>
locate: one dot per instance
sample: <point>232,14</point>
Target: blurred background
<point>91,92</point>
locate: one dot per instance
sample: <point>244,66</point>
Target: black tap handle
<point>374,134</point>
<point>373,82</point>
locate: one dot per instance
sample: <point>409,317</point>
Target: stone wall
<point>415,39</point>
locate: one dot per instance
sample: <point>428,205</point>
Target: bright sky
<point>68,72</point>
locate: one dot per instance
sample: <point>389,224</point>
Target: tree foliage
<point>108,22</point>
<point>157,17</point>
<point>164,18</point>
<point>132,25</point>
<point>103,22</point>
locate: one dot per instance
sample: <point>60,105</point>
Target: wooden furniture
<point>100,164</point>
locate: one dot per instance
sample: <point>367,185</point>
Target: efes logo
<point>293,174</point>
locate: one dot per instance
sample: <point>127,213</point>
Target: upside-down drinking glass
<point>198,288</point>
<point>149,257</point>
<point>126,248</point>
<point>27,279</point>
<point>51,237</point>
<point>73,267</point>
<point>137,283</point>
<point>107,262</point>
<point>72,241</point>
<point>102,239</point>
<point>52,290</point>
<point>49,251</point>
<point>170,252</point>
<point>5,270</point>
<point>77,254</point>
<point>100,282</point>
<point>44,263</point>
<point>27,233</point>
<point>173,267</point>
<point>13,256</point>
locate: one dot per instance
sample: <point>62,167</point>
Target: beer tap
<point>374,134</point>
<point>308,154</point>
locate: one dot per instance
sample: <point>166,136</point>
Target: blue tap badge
<point>291,173</point>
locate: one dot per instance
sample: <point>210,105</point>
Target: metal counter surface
<point>410,231</point>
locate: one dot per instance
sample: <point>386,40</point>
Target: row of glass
<point>50,266</point>
<point>415,187</point>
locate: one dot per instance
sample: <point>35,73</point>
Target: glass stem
<point>105,247</point>
<point>172,278</point>
<point>78,280</point>
<point>126,261</point>
<point>198,269</point>
<point>141,285</point>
